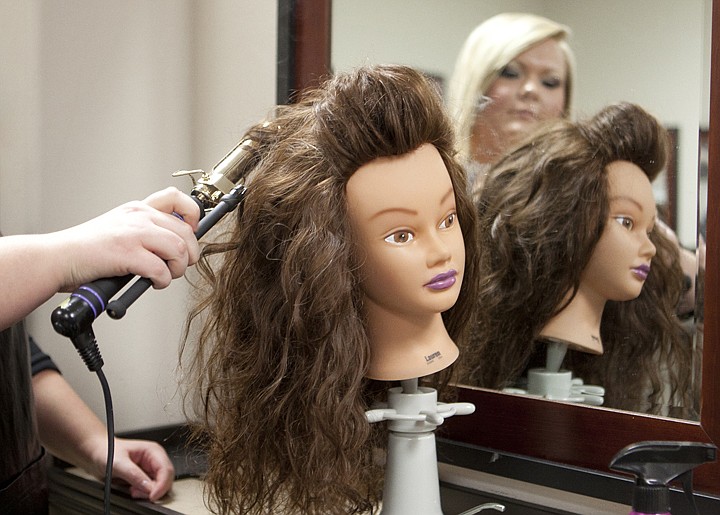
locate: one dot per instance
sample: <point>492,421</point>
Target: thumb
<point>128,471</point>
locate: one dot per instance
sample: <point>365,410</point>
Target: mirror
<point>669,86</point>
<point>577,435</point>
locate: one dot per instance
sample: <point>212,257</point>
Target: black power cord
<point>87,347</point>
<point>110,423</point>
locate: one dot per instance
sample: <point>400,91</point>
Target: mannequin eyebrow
<point>450,192</point>
<point>628,199</point>
<point>408,210</point>
<point>632,201</point>
<point>394,210</point>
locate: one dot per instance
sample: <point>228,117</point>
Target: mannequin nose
<point>438,252</point>
<point>648,248</point>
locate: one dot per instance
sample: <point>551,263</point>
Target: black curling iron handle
<point>118,307</point>
<point>74,317</point>
<point>77,313</point>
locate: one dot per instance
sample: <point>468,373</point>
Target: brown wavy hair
<point>281,352</point>
<point>542,210</point>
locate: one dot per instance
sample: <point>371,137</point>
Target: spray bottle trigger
<point>655,464</point>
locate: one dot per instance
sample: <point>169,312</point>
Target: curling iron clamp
<point>209,188</point>
<point>217,193</point>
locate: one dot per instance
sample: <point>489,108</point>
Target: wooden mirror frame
<point>574,435</point>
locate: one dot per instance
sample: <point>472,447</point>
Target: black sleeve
<point>40,361</point>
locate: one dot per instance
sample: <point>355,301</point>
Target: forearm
<point>30,273</point>
<point>68,428</point>
<point>72,432</point>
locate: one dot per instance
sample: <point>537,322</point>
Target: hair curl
<point>282,350</point>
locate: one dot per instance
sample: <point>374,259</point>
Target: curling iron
<point>217,193</point>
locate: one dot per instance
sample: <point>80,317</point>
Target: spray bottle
<point>655,464</point>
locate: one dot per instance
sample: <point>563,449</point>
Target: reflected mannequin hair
<point>541,211</point>
<point>486,51</point>
<point>280,351</point>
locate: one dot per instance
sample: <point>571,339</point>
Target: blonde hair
<point>487,50</point>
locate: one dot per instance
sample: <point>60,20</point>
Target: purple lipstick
<point>442,281</point>
<point>641,272</point>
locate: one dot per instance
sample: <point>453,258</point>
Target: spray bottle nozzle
<point>655,464</point>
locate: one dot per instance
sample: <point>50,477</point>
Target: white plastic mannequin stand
<point>412,486</point>
<point>555,383</point>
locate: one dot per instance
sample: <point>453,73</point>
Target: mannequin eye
<point>625,221</point>
<point>449,221</point>
<point>400,237</point>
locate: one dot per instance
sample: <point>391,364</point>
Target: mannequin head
<point>544,215</point>
<point>620,262</point>
<point>284,350</point>
<point>514,70</point>
<point>404,215</point>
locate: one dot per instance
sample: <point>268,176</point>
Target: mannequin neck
<point>579,323</point>
<point>405,346</point>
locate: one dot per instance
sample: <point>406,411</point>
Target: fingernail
<point>146,486</point>
<point>178,215</point>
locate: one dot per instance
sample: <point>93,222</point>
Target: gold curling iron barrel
<point>209,188</point>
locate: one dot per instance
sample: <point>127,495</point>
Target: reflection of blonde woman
<point>543,213</point>
<point>285,352</point>
<point>513,71</point>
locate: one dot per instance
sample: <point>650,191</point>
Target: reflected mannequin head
<point>546,213</point>
<point>514,70</point>
<point>618,266</point>
<point>404,215</point>
<point>621,260</point>
<point>280,366</point>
